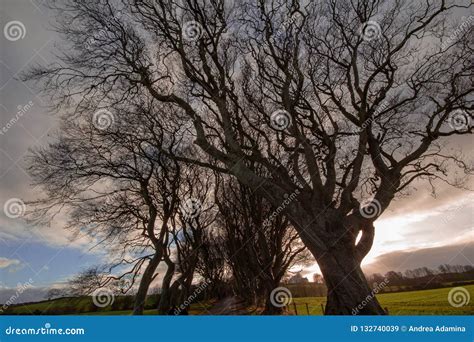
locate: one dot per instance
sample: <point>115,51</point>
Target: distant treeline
<point>421,278</point>
<point>76,305</point>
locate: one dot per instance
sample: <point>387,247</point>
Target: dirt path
<point>228,306</point>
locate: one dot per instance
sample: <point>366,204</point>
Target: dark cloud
<point>459,254</point>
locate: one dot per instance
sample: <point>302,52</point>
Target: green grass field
<point>85,306</point>
<point>425,302</point>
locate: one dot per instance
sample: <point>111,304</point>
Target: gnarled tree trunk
<point>348,290</point>
<point>165,303</point>
<point>270,307</point>
<point>145,282</point>
<point>333,244</point>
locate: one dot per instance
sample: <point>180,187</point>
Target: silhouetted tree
<point>117,184</point>
<point>195,214</point>
<point>260,243</point>
<point>346,102</point>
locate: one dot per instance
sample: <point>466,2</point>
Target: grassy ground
<point>85,306</point>
<point>425,302</point>
<point>59,306</point>
<point>196,309</point>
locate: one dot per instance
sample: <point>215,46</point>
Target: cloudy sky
<point>416,231</point>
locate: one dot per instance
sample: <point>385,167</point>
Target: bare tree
<point>54,293</point>
<point>340,101</point>
<point>193,217</point>
<point>260,244</point>
<point>87,281</point>
<point>212,264</point>
<point>117,188</point>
